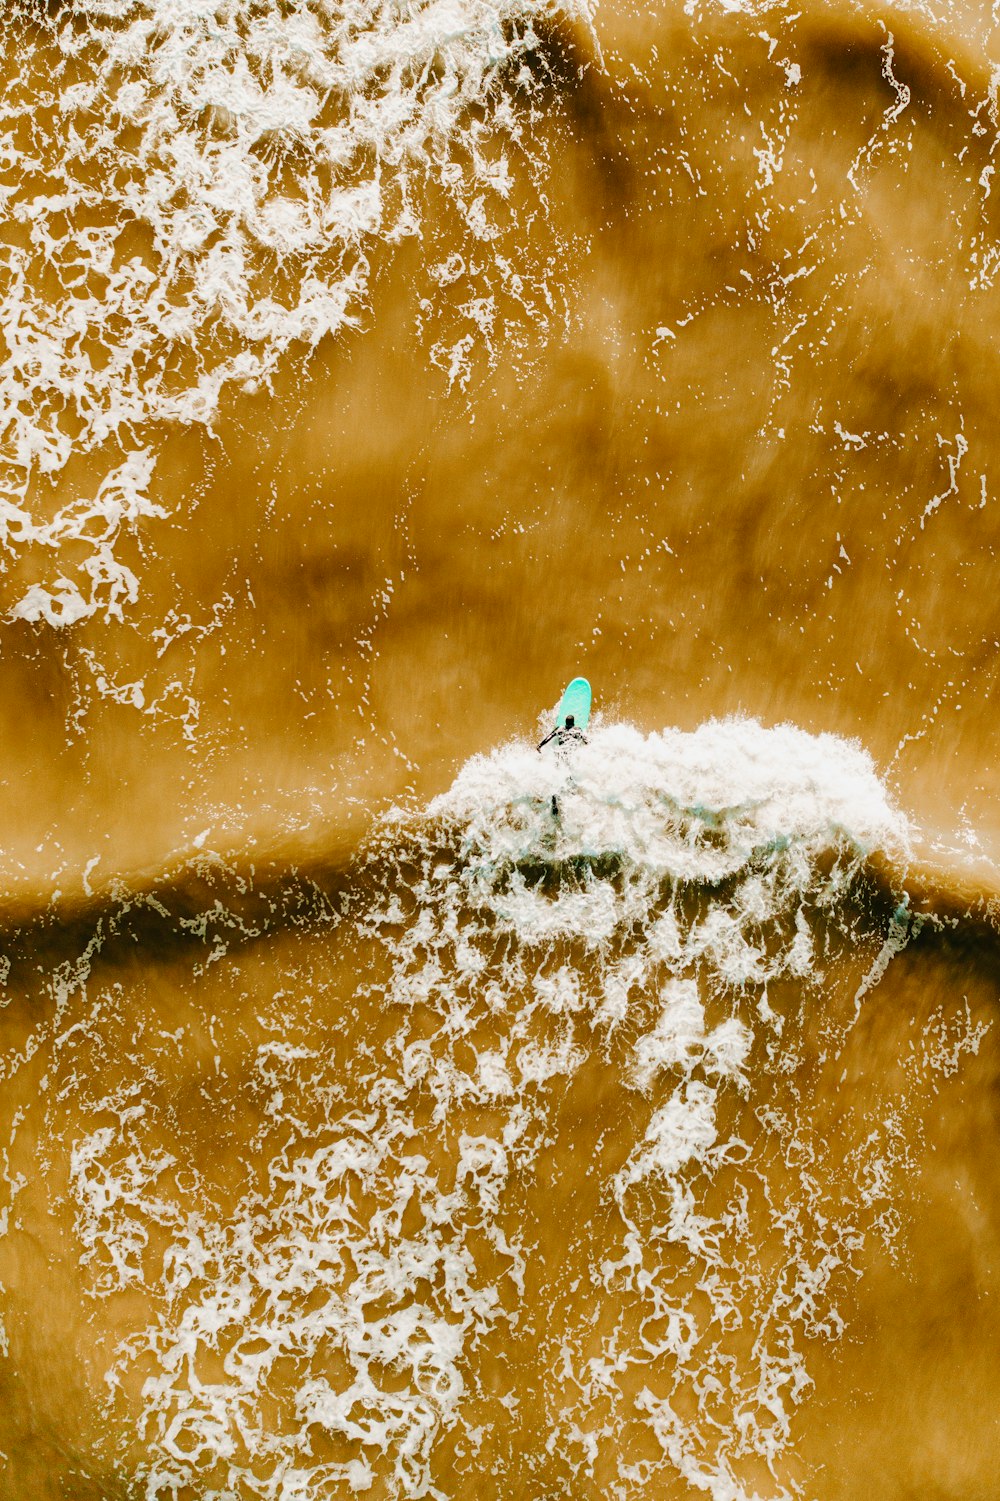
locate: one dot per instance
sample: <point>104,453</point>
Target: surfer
<point>572,718</point>
<point>564,732</point>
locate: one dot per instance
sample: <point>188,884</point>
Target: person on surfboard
<point>572,715</point>
<point>571,721</point>
<point>564,732</point>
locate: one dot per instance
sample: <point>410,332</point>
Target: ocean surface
<point>387,1108</point>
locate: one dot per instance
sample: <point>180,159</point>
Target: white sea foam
<point>660,936</point>
<point>759,782</point>
<point>732,799</point>
<point>261,153</point>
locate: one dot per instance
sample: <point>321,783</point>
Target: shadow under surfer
<point>562,734</point>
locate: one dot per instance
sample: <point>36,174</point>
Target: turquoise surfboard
<point>575,701</point>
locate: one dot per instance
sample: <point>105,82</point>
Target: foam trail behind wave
<point>261,155</point>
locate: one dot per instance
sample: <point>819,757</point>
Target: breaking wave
<point>662,969</point>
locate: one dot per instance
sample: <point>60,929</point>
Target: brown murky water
<point>367,1128</point>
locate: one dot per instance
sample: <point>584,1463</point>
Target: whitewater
<point>638,1009</point>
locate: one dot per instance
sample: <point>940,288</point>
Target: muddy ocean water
<point>387,1109</point>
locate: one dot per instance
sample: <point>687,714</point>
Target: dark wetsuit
<point>564,732</point>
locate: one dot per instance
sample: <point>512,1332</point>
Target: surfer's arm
<point>551,736</point>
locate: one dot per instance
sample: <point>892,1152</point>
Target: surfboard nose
<point>575,704</point>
